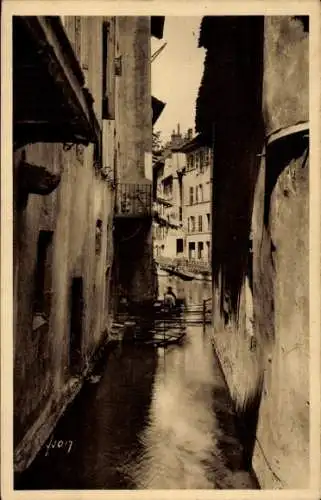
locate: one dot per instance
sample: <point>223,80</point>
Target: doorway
<point>76,325</point>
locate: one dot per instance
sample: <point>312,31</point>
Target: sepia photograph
<point>160,176</point>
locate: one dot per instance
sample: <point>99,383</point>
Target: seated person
<point>170,298</point>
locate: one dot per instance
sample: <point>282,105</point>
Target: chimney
<point>189,134</point>
<point>176,138</point>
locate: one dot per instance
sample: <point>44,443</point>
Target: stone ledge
<point>40,431</point>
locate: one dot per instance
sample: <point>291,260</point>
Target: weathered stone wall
<point>133,119</point>
<point>134,261</point>
<point>41,357</point>
<point>286,73</point>
<point>283,428</point>
<point>264,349</point>
<point>43,372</point>
<point>134,111</point>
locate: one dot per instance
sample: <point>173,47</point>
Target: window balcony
<point>134,200</point>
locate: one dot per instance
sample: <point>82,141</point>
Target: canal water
<point>157,418</point>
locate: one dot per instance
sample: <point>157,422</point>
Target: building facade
<point>260,231</point>
<point>80,133</point>
<point>183,200</point>
<point>169,235</point>
<point>197,200</point>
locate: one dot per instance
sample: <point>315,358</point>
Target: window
<point>179,245</point>
<point>196,194</point>
<point>200,223</point>
<point>206,157</point>
<point>99,230</point>
<point>180,214</point>
<point>201,156</point>
<point>118,65</point>
<point>188,225</point>
<point>208,250</point>
<point>192,224</point>
<point>208,216</point>
<point>168,188</point>
<point>42,293</point>
<point>197,161</point>
<point>201,193</point>
<point>192,161</point>
<point>200,250</point>
<point>191,196</point>
<point>191,250</point>
<point>98,151</point>
<point>76,323</point>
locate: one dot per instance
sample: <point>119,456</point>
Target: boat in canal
<point>180,273</point>
<point>184,275</point>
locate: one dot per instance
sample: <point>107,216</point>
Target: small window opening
<point>99,230</point>
<point>42,293</point>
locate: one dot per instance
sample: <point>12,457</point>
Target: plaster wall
<point>42,355</point>
<point>264,349</point>
<point>133,144</point>
<point>42,362</point>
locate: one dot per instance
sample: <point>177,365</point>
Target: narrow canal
<point>158,418</point>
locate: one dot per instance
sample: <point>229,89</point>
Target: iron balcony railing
<point>133,200</point>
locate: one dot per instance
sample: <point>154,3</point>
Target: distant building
<point>169,235</point>
<point>197,199</point>
<point>182,194</point>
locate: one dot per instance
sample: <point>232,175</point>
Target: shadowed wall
<point>255,83</point>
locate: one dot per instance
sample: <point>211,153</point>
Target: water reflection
<point>180,438</point>
<point>154,420</point>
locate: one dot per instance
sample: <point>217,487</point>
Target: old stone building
<point>134,264</point>
<point>168,172</point>
<point>182,201</point>
<point>260,127</point>
<point>197,183</point>
<point>82,129</point>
